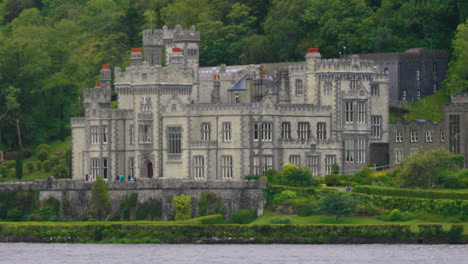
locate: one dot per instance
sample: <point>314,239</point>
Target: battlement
<point>348,64</point>
<point>301,68</point>
<point>461,98</point>
<point>165,35</point>
<point>97,94</point>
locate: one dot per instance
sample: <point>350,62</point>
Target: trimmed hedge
<point>177,233</point>
<point>426,194</point>
<point>437,206</point>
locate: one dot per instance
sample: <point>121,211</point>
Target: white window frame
<point>376,126</point>
<point>174,141</point>
<point>105,134</point>
<point>256,131</point>
<point>105,168</point>
<point>361,150</point>
<point>442,136</point>
<point>428,135</point>
<point>145,134</point>
<point>206,131</point>
<point>132,134</point>
<point>286,130</point>
<point>95,167</point>
<point>95,135</point>
<point>321,130</point>
<point>267,131</point>
<point>361,112</point>
<point>199,167</point>
<point>295,159</point>
<point>398,136</point>
<point>227,132</point>
<point>349,150</point>
<point>349,112</point>
<point>329,161</point>
<point>414,136</point>
<point>398,156</point>
<point>313,163</point>
<point>328,87</point>
<point>299,87</point>
<point>226,167</point>
<point>375,90</point>
<point>303,130</point>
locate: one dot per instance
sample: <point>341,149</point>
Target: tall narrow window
<point>257,166</point>
<point>398,156</point>
<point>362,112</point>
<point>418,75</point>
<point>353,84</point>
<point>174,136</point>
<point>418,94</point>
<point>398,136</point>
<point>94,135</point>
<point>349,150</point>
<point>295,159</point>
<point>375,90</point>
<point>376,126</point>
<point>414,136</point>
<point>299,88</point>
<point>313,163</point>
<point>105,131</point>
<point>349,113</point>
<point>428,136</point>
<point>442,136</point>
<point>131,166</point>
<point>303,130</point>
<point>256,131</point>
<point>145,134</point>
<point>199,167</point>
<point>286,130</point>
<point>329,161</point>
<point>226,167</point>
<point>403,96</point>
<point>454,136</point>
<point>227,131</point>
<point>267,131</point>
<point>206,131</point>
<point>361,150</point>
<point>321,130</point>
<point>104,168</point>
<point>95,167</point>
<point>267,162</point>
<point>132,134</point>
<point>328,87</point>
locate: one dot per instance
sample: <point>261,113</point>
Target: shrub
<point>243,216</point>
<point>19,165</point>
<point>286,172</point>
<point>401,192</point>
<point>273,176</point>
<point>308,209</point>
<point>183,207</point>
<point>252,177</point>
<point>42,147</point>
<point>149,210</point>
<point>128,207</point>
<point>283,196</point>
<point>338,204</point>
<point>50,210</point>
<point>335,169</point>
<point>209,203</point>
<point>283,220</point>
<point>42,155</point>
<point>100,200</point>
<point>368,209</point>
<point>46,165</point>
<point>301,177</point>
<point>215,219</point>
<point>30,167</point>
<point>38,165</point>
<point>15,215</point>
<point>397,215</point>
<point>60,171</point>
<point>332,179</point>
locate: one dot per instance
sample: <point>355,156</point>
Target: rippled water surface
<point>243,254</point>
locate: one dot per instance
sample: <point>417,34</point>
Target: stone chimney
<point>136,58</point>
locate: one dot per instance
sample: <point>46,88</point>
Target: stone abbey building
<point>178,120</point>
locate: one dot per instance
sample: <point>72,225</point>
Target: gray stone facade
<point>223,123</point>
<point>422,135</point>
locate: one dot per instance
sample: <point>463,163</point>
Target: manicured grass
<point>429,108</point>
<point>450,190</point>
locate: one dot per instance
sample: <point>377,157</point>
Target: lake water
<point>25,253</point>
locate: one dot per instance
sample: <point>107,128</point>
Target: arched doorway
<point>149,169</point>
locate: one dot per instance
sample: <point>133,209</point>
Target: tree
<point>457,76</point>
<point>100,201</point>
<point>423,170</point>
<point>19,165</point>
<point>338,204</point>
<point>183,207</point>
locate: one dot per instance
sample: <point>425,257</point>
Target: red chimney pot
<point>105,66</point>
<point>136,50</point>
<point>174,50</point>
<point>98,84</point>
<point>313,50</point>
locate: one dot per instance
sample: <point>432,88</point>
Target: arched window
<point>299,88</point>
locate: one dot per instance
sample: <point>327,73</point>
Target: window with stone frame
<point>267,131</point>
<point>442,136</point>
<point>226,167</point>
<point>104,168</point>
<point>267,162</point>
<point>398,156</point>
<point>174,137</point>
<point>349,112</point>
<point>313,163</point>
<point>299,88</point>
<point>256,131</point>
<point>295,159</point>
<point>145,134</point>
<point>145,104</point>
<point>198,167</point>
<point>362,112</point>
<point>94,135</point>
<point>353,84</point>
<point>303,130</point>
<point>286,130</point>
<point>454,133</point>
<point>192,52</point>
<point>227,131</point>
<point>376,126</point>
<point>329,161</point>
<point>413,136</point>
<point>206,131</point>
<point>105,133</point>
<point>428,135</point>
<point>321,130</point>
<point>256,165</point>
<point>131,166</point>
<point>349,150</point>
<point>262,164</point>
<point>95,167</point>
<point>375,91</point>
<point>328,87</point>
<point>398,136</point>
<point>132,134</point>
<point>361,150</point>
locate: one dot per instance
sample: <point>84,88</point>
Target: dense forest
<point>51,49</point>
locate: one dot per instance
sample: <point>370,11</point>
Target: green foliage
<point>282,220</point>
<point>283,196</point>
<point>183,207</point>
<point>60,171</point>
<point>423,170</point>
<point>338,204</point>
<point>50,210</point>
<point>397,215</point>
<point>332,179</point>
<point>100,206</point>
<point>243,216</point>
<point>457,76</point>
<point>46,165</point>
<point>335,169</point>
<point>128,207</point>
<point>38,165</point>
<point>209,204</point>
<point>273,176</point>
<point>42,154</point>
<point>149,210</point>
<point>30,167</point>
<point>17,205</point>
<point>215,219</point>
<point>414,193</point>
<point>19,165</point>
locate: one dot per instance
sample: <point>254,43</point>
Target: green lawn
<point>429,108</point>
<point>449,190</point>
<point>357,220</point>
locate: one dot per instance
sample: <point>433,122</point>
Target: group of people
<point>118,178</point>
